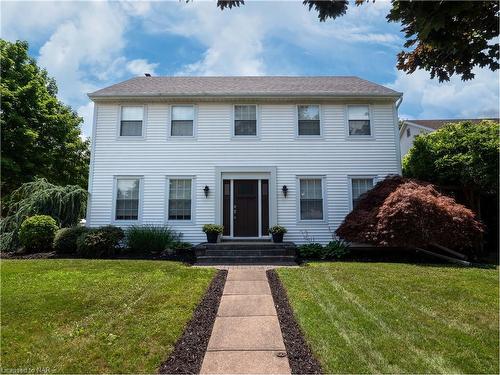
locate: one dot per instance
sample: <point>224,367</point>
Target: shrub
<point>336,249</point>
<point>37,233</point>
<point>277,229</point>
<point>213,228</point>
<point>400,212</point>
<point>311,251</point>
<point>145,239</point>
<point>100,243</point>
<point>65,239</point>
<point>183,251</point>
<point>66,204</point>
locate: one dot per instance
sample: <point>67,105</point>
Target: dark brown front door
<point>246,208</point>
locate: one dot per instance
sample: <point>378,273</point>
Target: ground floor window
<point>311,198</point>
<point>359,187</point>
<point>179,199</point>
<point>127,198</point>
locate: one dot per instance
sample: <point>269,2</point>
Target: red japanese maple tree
<point>402,212</point>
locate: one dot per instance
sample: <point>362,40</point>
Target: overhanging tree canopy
<point>401,212</point>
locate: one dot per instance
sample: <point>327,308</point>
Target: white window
<point>359,187</point>
<point>309,122</point>
<point>245,120</point>
<point>127,198</point>
<point>311,199</point>
<point>131,121</point>
<point>182,121</point>
<point>179,199</point>
<point>359,120</point>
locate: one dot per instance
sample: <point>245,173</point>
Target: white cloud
<point>454,99</point>
<point>237,40</point>
<point>87,112</point>
<point>83,44</point>
<point>141,66</point>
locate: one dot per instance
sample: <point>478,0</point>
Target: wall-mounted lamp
<point>284,189</point>
<point>206,189</point>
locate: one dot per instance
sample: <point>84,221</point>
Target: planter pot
<point>212,237</point>
<point>278,237</point>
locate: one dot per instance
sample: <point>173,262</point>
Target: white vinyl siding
<point>359,187</point>
<point>359,120</point>
<point>182,124</point>
<point>127,198</point>
<point>308,120</point>
<point>179,199</point>
<point>131,121</point>
<point>277,146</point>
<point>311,198</point>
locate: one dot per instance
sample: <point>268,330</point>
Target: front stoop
<point>246,252</point>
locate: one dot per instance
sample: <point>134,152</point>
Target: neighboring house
<point>411,128</point>
<point>245,152</point>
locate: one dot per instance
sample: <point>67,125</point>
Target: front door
<point>246,208</point>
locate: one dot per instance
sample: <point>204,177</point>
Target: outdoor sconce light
<point>284,189</point>
<point>206,189</point>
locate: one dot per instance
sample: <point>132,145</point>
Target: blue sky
<point>89,45</point>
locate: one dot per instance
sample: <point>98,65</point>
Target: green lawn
<point>397,318</point>
<point>94,316</point>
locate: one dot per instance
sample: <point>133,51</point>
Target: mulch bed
<point>300,356</point>
<point>189,350</point>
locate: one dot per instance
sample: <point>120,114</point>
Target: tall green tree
<point>443,37</point>
<point>41,136</point>
<point>461,156</point>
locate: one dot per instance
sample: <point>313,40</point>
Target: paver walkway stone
<point>246,338</point>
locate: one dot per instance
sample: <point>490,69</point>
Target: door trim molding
<point>235,172</point>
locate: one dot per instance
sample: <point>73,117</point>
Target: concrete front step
<point>252,252</point>
<point>270,259</point>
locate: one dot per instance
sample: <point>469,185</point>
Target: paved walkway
<point>246,338</point>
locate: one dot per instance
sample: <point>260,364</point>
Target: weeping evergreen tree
<point>66,204</point>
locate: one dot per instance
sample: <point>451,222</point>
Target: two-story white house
<point>245,152</point>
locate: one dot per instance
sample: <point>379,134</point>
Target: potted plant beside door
<point>277,232</point>
<point>212,231</point>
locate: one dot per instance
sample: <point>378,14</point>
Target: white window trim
<point>310,137</point>
<point>359,137</point>
<point>195,122</point>
<point>119,124</point>
<point>355,177</point>
<point>233,123</point>
<point>141,200</point>
<point>323,193</point>
<point>193,198</point>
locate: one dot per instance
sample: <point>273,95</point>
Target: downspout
<point>396,134</point>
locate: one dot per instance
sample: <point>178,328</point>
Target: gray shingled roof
<point>244,86</point>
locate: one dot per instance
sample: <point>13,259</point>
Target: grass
<point>397,318</point>
<point>94,316</point>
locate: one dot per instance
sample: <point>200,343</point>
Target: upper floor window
<point>359,120</point>
<point>127,198</point>
<point>359,187</point>
<point>179,199</point>
<point>131,121</point>
<point>311,199</point>
<point>182,121</point>
<point>308,120</point>
<point>245,120</point>
<point>408,133</point>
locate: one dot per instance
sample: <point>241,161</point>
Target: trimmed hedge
<point>65,239</point>
<point>37,233</point>
<point>334,250</point>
